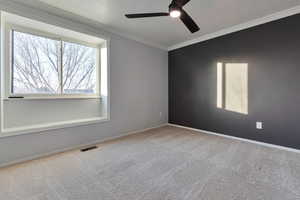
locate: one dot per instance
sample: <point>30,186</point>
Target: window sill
<point>7,132</point>
<point>51,97</point>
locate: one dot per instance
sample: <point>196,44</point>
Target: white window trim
<point>8,63</point>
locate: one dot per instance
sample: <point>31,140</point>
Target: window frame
<point>9,28</point>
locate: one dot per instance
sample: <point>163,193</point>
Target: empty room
<point>149,100</point>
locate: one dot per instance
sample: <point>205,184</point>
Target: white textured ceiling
<point>211,16</point>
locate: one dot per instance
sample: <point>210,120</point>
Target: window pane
<point>79,69</point>
<point>35,64</point>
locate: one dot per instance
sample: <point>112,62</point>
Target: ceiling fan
<point>175,11</point>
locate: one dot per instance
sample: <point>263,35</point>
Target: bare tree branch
<point>37,65</point>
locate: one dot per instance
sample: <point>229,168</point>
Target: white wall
<point>20,113</point>
<point>139,92</point>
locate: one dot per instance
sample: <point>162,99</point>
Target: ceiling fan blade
<point>189,22</point>
<point>142,15</point>
<point>180,2</point>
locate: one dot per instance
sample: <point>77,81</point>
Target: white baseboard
<point>237,138</point>
<point>30,158</point>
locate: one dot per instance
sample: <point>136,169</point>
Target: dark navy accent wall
<point>272,52</point>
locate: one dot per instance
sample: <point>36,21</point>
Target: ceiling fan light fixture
<point>175,13</point>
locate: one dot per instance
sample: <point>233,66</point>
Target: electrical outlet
<point>259,125</point>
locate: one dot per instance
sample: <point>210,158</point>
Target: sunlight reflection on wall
<point>232,87</point>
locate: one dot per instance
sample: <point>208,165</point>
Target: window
<point>55,76</point>
<point>42,65</point>
<point>35,64</point>
<point>232,87</point>
<point>79,69</point>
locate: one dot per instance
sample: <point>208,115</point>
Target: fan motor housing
<point>173,7</point>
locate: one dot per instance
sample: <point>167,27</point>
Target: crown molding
<point>13,5</point>
<point>33,7</point>
<point>239,27</point>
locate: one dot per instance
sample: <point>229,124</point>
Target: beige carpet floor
<point>162,164</point>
